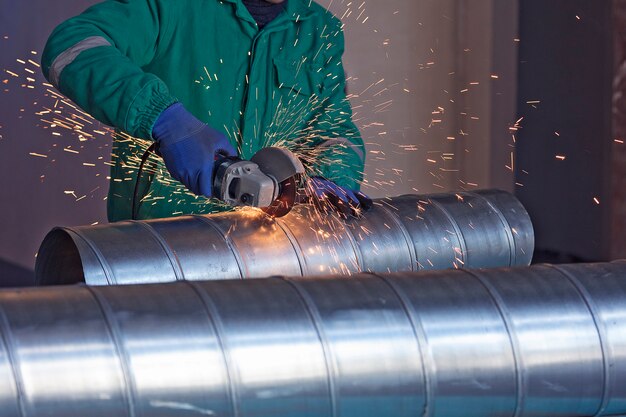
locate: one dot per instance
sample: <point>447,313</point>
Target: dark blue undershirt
<point>264,12</point>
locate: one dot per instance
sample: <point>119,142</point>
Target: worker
<point>203,78</point>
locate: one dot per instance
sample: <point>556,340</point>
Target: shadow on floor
<point>15,276</point>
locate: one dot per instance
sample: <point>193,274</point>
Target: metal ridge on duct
<point>408,233</point>
<point>545,341</point>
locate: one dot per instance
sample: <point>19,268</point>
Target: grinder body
<point>242,183</point>
<point>268,181</point>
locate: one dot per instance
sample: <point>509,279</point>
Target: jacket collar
<point>295,10</point>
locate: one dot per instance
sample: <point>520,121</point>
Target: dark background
<point>567,64</point>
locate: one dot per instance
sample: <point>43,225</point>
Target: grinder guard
<point>287,169</point>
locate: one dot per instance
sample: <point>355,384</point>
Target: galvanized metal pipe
<point>408,233</point>
<point>543,341</point>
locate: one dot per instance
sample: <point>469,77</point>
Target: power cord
<point>151,150</point>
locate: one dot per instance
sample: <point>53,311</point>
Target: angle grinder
<point>269,181</point>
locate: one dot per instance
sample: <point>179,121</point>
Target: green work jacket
<point>125,61</point>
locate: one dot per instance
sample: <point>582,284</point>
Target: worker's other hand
<point>190,148</point>
<point>329,196</point>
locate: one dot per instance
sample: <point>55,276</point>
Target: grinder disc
<point>286,169</point>
<point>286,199</point>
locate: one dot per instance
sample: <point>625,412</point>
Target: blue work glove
<point>328,195</point>
<point>190,148</point>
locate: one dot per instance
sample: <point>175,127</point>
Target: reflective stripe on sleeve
<point>69,55</point>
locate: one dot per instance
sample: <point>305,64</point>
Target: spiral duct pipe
<point>408,233</point>
<point>543,341</point>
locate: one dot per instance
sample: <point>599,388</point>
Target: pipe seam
<point>214,320</point>
<point>167,249</point>
<point>407,237</point>
<point>506,226</point>
<point>18,379</point>
<point>421,340</point>
<point>500,304</point>
<point>329,361</point>
<point>122,355</point>
<point>462,250</point>
<point>593,310</point>
<point>240,264</point>
<point>294,245</point>
<point>106,268</point>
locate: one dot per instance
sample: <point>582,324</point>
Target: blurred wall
<point>486,92</point>
<point>449,74</point>
<point>432,85</point>
<point>33,188</point>
<point>399,58</point>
